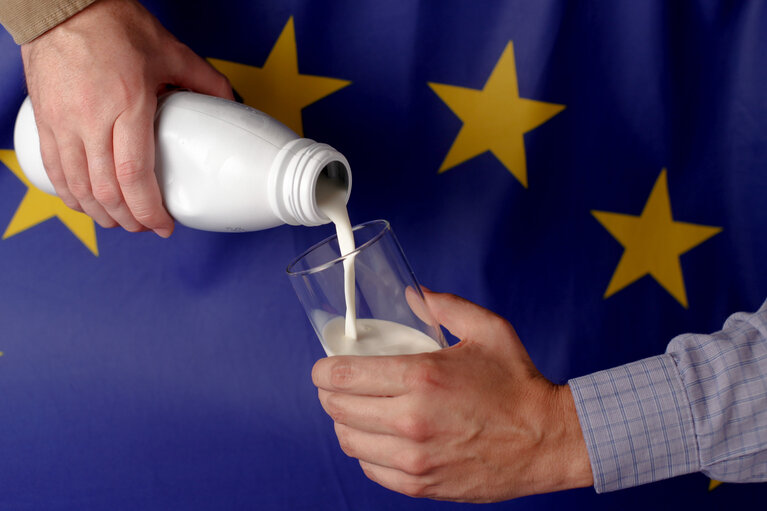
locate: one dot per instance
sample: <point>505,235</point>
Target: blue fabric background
<point>175,374</point>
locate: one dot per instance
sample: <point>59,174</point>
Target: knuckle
<point>44,112</point>
<point>366,469</point>
<point>70,202</point>
<point>89,110</point>
<point>130,172</point>
<point>416,488</point>
<point>223,82</point>
<point>415,462</point>
<point>148,216</point>
<point>48,115</point>
<point>423,373</point>
<point>334,408</point>
<point>107,195</point>
<point>411,485</point>
<point>413,426</point>
<point>504,329</point>
<point>498,323</point>
<point>345,443</point>
<point>177,48</point>
<point>80,190</point>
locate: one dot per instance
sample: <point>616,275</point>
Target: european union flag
<point>592,171</point>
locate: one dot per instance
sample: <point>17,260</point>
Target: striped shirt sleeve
<point>702,406</point>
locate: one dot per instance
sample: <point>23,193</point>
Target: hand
<point>93,81</point>
<point>475,422</point>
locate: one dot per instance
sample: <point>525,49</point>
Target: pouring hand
<point>93,81</point>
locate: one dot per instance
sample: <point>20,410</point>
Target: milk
<point>375,337</point>
<point>331,200</point>
<point>349,335</point>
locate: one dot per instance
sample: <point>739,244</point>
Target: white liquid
<point>331,200</point>
<point>354,336</point>
<point>375,337</point>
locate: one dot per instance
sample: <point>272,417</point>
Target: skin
<point>93,81</point>
<point>475,422</point>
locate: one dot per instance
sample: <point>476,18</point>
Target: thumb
<point>193,72</point>
<point>468,321</point>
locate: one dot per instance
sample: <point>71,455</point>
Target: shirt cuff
<point>637,423</point>
<point>27,19</point>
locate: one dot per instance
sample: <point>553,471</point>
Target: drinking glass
<point>386,289</point>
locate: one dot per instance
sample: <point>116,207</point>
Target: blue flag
<point>594,172</point>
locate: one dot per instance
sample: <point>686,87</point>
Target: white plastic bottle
<point>221,166</point>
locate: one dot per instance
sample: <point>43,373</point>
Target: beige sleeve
<point>27,19</point>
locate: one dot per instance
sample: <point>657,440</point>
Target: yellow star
<point>495,118</point>
<point>653,243</point>
<point>713,484</point>
<point>37,207</point>
<point>277,88</point>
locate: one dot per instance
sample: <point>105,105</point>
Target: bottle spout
<point>307,173</point>
<point>333,180</point>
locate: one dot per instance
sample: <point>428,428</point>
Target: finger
<point>466,320</point>
<point>418,305</point>
<point>105,188</point>
<point>52,164</point>
<point>371,376</point>
<point>192,72</point>
<point>75,167</point>
<point>133,145</point>
<point>366,413</point>
<point>399,481</point>
<point>385,450</point>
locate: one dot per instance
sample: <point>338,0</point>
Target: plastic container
<point>221,166</point>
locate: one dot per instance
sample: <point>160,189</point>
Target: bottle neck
<point>293,180</point>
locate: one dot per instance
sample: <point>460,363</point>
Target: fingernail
<point>164,232</point>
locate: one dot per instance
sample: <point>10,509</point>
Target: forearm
<point>27,19</point>
<point>637,423</point>
<point>725,378</point>
<point>702,406</point>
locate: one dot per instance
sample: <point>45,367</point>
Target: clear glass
<point>386,288</point>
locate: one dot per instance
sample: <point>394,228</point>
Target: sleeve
<point>702,406</point>
<point>27,19</point>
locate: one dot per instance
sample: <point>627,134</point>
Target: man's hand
<point>93,81</point>
<point>474,422</point>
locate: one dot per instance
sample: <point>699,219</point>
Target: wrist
<point>572,464</point>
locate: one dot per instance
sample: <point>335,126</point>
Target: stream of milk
<point>353,336</point>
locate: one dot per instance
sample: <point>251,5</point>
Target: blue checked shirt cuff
<point>637,423</point>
